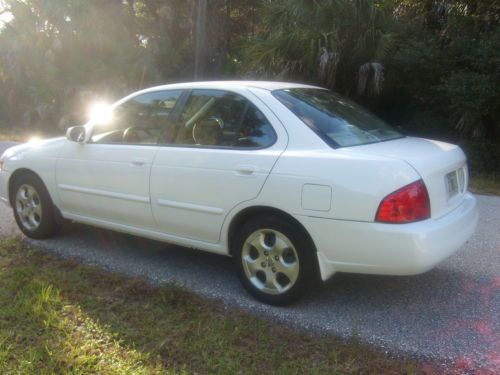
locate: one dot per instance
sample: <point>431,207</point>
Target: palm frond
<point>319,37</point>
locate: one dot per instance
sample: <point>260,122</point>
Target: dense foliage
<point>429,66</point>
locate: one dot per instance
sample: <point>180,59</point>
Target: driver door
<point>108,178</point>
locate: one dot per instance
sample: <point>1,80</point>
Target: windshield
<point>340,122</point>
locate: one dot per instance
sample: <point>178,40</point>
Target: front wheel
<point>33,208</point>
<point>275,260</point>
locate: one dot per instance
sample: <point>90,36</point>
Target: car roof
<point>266,85</point>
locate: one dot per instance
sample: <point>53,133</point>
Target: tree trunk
<point>201,28</point>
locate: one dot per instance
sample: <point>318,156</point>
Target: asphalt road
<point>449,315</point>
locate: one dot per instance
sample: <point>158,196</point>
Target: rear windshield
<point>340,122</point>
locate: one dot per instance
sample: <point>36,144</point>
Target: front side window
<point>340,122</point>
<point>140,120</point>
<point>221,119</point>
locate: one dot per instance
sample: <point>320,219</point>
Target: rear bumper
<point>4,191</point>
<point>390,249</point>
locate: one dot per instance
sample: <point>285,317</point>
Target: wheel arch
<point>14,176</point>
<point>23,172</point>
<point>250,212</point>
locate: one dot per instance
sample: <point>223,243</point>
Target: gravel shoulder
<point>449,314</point>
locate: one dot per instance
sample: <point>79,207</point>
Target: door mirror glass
<point>76,134</point>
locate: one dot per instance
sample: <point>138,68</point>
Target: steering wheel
<point>130,135</point>
<point>203,124</point>
<point>218,120</point>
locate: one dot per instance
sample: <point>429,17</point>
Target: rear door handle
<point>138,162</point>
<point>245,170</point>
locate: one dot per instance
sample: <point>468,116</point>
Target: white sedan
<point>293,181</point>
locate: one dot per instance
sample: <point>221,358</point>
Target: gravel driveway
<point>449,315</point>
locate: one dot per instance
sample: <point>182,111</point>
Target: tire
<point>33,208</point>
<point>275,260</point>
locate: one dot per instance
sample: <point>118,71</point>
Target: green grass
<point>61,317</point>
<point>485,184</point>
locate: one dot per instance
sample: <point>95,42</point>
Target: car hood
<point>20,149</point>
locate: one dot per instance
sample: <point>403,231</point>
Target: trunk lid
<point>441,165</point>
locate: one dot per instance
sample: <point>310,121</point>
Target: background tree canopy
<point>429,66</point>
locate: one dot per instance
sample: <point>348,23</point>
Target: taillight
<point>408,204</point>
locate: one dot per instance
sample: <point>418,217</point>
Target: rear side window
<point>221,119</point>
<point>255,130</point>
<point>338,121</point>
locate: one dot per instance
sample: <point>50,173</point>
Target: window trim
<point>177,112</point>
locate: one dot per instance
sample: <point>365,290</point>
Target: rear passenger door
<point>217,154</point>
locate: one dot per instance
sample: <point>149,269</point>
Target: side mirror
<point>76,134</point>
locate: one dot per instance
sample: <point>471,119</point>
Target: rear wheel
<point>275,260</point>
<point>33,208</point>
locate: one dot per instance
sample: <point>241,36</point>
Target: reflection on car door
<point>108,178</point>
<point>220,153</point>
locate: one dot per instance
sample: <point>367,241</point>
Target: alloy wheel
<point>270,261</point>
<point>28,207</point>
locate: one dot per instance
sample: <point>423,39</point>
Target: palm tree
<point>326,41</point>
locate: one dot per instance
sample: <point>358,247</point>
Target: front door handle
<point>138,162</point>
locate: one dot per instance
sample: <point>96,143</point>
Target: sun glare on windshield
<point>100,113</point>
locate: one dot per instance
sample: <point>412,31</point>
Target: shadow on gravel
<point>58,316</point>
<point>435,292</point>
<point>441,314</point>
